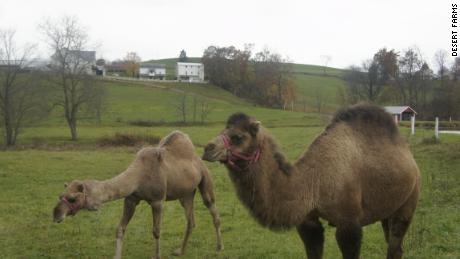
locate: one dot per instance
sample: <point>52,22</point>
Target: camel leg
<point>207,193</point>
<point>399,224</point>
<point>312,234</point>
<point>398,228</point>
<point>187,203</point>
<point>129,208</point>
<point>157,207</point>
<point>349,238</point>
<point>386,229</point>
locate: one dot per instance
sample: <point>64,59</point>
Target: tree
<point>267,78</point>
<point>22,97</point>
<point>326,60</point>
<point>181,107</point>
<point>441,60</point>
<point>367,82</point>
<point>455,69</point>
<point>183,56</point>
<point>410,63</point>
<point>132,63</point>
<point>71,67</point>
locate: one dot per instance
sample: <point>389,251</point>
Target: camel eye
<point>71,200</point>
<point>236,139</point>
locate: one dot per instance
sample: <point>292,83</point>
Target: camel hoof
<point>178,252</point>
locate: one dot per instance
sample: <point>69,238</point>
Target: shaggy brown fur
<point>170,171</point>
<point>357,172</point>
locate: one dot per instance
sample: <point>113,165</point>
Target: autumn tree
<point>132,63</point>
<point>72,67</point>
<point>367,82</point>
<point>228,68</point>
<point>23,99</point>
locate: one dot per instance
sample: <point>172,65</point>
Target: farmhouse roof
<point>399,109</point>
<point>153,65</point>
<point>189,64</point>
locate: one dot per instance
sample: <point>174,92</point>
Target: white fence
<point>436,128</point>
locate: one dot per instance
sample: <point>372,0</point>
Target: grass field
<point>32,176</point>
<point>31,179</point>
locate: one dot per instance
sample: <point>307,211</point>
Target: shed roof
<point>399,109</point>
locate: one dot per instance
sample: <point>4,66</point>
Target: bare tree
<point>72,66</point>
<point>21,96</point>
<point>181,107</point>
<point>410,64</point>
<point>326,60</point>
<point>455,69</point>
<point>441,60</point>
<point>205,110</point>
<point>320,99</point>
<point>132,64</point>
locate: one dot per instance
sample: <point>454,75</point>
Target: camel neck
<point>276,196</point>
<point>115,188</point>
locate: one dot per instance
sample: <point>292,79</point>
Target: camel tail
<point>369,115</point>
<point>206,187</point>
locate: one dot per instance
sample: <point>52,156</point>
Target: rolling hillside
<point>312,82</point>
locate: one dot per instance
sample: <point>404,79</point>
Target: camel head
<point>73,199</point>
<point>237,142</point>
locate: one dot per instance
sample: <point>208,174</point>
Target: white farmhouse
<point>75,60</point>
<point>152,71</point>
<point>193,72</point>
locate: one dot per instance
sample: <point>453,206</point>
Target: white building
<point>75,60</point>
<point>401,113</point>
<point>193,72</point>
<point>152,70</point>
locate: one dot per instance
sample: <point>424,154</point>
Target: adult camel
<point>357,172</point>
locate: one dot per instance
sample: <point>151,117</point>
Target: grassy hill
<point>312,81</point>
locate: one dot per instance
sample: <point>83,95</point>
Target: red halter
<point>233,156</point>
<point>73,207</point>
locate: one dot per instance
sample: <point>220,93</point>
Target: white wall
<point>191,70</point>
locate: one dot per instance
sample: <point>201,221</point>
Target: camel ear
<point>65,185</point>
<point>160,154</point>
<point>81,187</point>
<point>254,128</point>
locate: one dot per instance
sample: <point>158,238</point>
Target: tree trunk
<point>72,122</point>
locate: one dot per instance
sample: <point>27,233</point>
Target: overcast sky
<point>349,31</point>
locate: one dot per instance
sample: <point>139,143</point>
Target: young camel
<point>167,172</point>
<point>357,172</point>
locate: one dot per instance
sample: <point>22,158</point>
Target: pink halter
<point>233,156</point>
<point>73,207</point>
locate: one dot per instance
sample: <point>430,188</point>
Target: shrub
<point>125,139</point>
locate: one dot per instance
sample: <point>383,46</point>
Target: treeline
<point>264,77</point>
<point>405,78</point>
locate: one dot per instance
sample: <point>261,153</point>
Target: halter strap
<point>233,156</point>
<point>73,207</point>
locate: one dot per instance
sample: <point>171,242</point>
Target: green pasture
<point>33,173</point>
<point>31,179</point>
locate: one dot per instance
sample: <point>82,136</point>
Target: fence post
<point>436,128</point>
<point>412,124</point>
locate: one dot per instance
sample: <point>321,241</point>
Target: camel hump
<point>179,143</point>
<point>370,115</point>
